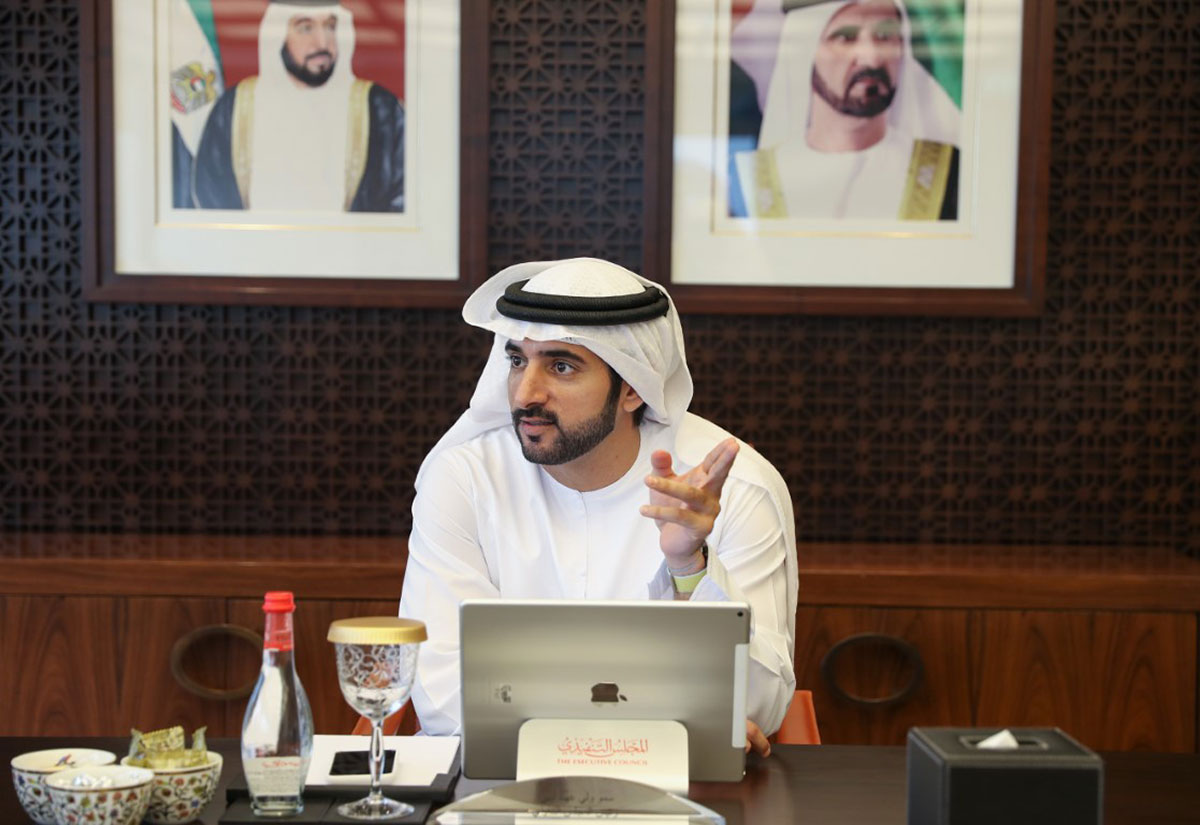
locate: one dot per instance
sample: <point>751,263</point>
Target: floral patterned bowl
<point>111,794</point>
<point>180,794</point>
<point>31,769</point>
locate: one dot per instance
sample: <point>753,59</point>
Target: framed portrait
<point>325,152</point>
<point>850,156</point>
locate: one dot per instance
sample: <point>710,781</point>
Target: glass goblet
<point>376,663</point>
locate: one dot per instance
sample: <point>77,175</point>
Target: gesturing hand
<point>685,506</point>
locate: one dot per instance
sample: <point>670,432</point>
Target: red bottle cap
<point>279,601</point>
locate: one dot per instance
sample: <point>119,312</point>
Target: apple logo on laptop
<point>607,692</point>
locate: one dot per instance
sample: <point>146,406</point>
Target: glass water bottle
<point>277,731</point>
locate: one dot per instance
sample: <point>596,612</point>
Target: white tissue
<point>1002,741</point>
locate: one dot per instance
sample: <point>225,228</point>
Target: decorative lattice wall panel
<point>1080,426</point>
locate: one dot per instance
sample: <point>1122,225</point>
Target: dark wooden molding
<point>373,568</point>
<point>201,565</point>
<point>178,577</point>
<point>660,132</point>
<point>1023,576</point>
<point>1049,589</point>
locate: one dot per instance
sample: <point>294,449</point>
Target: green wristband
<point>688,584</point>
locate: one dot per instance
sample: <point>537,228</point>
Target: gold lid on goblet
<point>377,630</point>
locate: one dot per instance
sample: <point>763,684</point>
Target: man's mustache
<point>536,411</point>
<point>321,53</point>
<point>876,73</point>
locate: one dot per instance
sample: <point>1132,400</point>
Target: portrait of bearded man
<point>853,125</point>
<point>304,133</point>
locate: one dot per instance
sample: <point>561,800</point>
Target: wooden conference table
<point>827,784</point>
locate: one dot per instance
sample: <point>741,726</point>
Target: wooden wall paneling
<point>97,666</point>
<point>943,697</point>
<point>42,694</point>
<point>151,696</point>
<point>314,655</point>
<point>1116,681</point>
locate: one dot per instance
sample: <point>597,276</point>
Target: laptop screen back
<point>541,659</point>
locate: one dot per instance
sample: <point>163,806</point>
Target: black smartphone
<point>350,763</point>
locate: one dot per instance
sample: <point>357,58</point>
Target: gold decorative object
<point>377,630</point>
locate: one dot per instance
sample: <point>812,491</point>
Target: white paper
<point>1001,741</point>
<point>419,759</point>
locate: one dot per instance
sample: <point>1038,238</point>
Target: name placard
<point>652,751</point>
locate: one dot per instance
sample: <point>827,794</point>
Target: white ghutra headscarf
<point>648,355</point>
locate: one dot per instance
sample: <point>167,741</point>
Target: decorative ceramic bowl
<point>31,769</point>
<point>180,794</point>
<point>111,794</point>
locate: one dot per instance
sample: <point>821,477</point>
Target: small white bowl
<point>112,794</point>
<point>31,769</point>
<point>180,794</point>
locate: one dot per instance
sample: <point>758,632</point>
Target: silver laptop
<point>543,659</point>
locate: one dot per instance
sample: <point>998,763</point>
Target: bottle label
<point>274,775</point>
<point>277,632</point>
<point>278,640</point>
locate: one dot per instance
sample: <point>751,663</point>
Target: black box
<point>1049,780</point>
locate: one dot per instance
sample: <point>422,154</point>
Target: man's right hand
<point>686,506</point>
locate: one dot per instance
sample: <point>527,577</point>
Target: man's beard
<point>868,106</point>
<point>572,443</point>
<point>305,75</point>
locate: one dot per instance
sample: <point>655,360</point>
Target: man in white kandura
<point>853,126</point>
<point>305,133</point>
<point>578,473</point>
